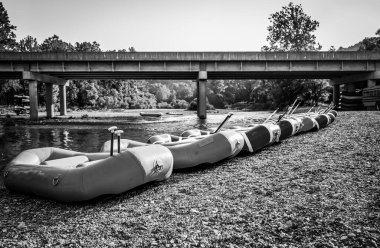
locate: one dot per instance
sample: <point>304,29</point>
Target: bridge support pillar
<point>336,94</point>
<point>351,87</point>
<point>201,99</point>
<point>62,100</point>
<point>33,98</point>
<point>49,100</point>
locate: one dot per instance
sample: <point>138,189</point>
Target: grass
<point>317,189</point>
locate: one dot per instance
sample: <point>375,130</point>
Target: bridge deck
<point>185,65</point>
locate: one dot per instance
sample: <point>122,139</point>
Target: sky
<point>186,25</point>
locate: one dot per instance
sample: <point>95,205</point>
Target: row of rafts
<point>351,100</point>
<point>123,164</point>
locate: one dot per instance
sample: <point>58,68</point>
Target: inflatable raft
<point>145,114</point>
<point>258,136</point>
<point>192,151</point>
<point>70,176</point>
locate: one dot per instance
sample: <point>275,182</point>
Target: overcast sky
<point>186,25</point>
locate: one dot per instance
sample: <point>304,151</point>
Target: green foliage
<point>371,43</point>
<point>180,104</point>
<point>292,30</point>
<point>7,35</point>
<point>87,47</point>
<point>226,92</point>
<point>9,88</point>
<point>161,91</point>
<point>28,44</point>
<point>194,105</point>
<point>54,44</point>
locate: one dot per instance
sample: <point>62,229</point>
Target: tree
<point>292,30</point>
<point>371,43</point>
<point>28,44</point>
<point>161,91</point>
<point>54,44</point>
<point>7,35</point>
<point>87,47</point>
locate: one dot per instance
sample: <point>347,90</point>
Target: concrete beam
<point>188,56</point>
<point>33,98</point>
<point>358,77</point>
<point>49,101</point>
<point>28,75</point>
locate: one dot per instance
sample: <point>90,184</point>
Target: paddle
<point>282,116</point>
<point>291,107</point>
<point>270,116</point>
<point>310,109</point>
<point>112,130</point>
<point>295,108</point>
<point>224,121</point>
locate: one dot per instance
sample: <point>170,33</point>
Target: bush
<point>164,105</point>
<point>180,104</point>
<point>194,105</point>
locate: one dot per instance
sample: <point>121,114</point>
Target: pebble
<point>21,225</point>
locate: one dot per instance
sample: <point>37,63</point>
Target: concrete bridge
<point>57,68</point>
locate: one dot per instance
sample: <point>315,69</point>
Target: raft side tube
<point>260,136</point>
<point>211,149</point>
<point>332,117</point>
<point>322,121</point>
<point>334,112</point>
<point>287,128</point>
<point>307,124</point>
<point>124,144</point>
<point>67,182</point>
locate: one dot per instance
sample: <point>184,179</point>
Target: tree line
<point>291,30</point>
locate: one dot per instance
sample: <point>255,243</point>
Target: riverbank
<point>318,189</point>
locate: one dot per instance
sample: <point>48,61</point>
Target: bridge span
<point>57,68</point>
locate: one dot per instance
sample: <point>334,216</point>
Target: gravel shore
<point>318,189</point>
